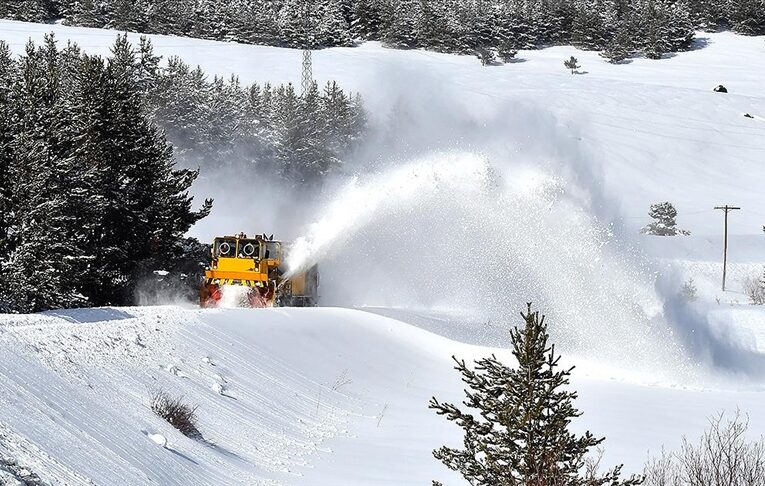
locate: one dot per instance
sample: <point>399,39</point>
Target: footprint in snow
<point>158,439</point>
<point>221,390</point>
<point>174,370</point>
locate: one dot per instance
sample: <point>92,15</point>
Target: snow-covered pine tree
<point>681,29</point>
<point>43,251</point>
<point>433,29</point>
<point>170,17</point>
<point>589,30</point>
<point>519,430</point>
<point>555,19</point>
<point>332,28</point>
<point>256,22</point>
<point>484,27</point>
<point>572,64</point>
<point>146,206</point>
<point>511,32</point>
<point>30,10</point>
<point>369,18</point>
<point>181,105</point>
<point>655,31</point>
<point>707,14</point>
<point>747,16</point>
<point>689,290</point>
<point>664,224</point>
<point>210,20</point>
<point>7,130</point>
<point>338,113</point>
<point>619,48</point>
<point>402,30</point>
<point>87,13</point>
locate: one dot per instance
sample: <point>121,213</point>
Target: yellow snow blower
<point>255,264</point>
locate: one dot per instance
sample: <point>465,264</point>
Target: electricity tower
<point>307,78</point>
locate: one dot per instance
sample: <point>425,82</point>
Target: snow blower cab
<point>247,272</point>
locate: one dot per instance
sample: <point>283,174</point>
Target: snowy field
<point>494,186</point>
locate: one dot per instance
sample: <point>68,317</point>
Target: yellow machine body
<point>255,263</point>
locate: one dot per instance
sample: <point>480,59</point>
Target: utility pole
<point>726,209</point>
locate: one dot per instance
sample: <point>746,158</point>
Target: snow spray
<point>450,230</point>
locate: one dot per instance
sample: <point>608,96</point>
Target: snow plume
<point>722,346</point>
<point>450,231</point>
<point>481,207</point>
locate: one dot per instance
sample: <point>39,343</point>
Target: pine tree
<point>42,253</point>
<point>296,20</point>
<point>681,29</point>
<point>519,433</point>
<point>433,29</point>
<point>589,30</point>
<point>87,13</point>
<point>368,18</point>
<point>619,47</point>
<point>665,225</point>
<point>572,64</point>
<point>332,28</point>
<point>7,129</point>
<point>33,11</point>
<point>747,16</point>
<point>402,31</point>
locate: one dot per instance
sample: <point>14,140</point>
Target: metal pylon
<point>307,80</point>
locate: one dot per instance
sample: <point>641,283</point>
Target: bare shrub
<point>754,287</point>
<point>176,413</point>
<point>723,456</point>
<point>11,472</point>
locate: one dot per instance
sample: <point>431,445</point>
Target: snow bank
<point>312,396</point>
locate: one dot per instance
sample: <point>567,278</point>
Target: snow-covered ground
<point>309,396</point>
<point>493,186</point>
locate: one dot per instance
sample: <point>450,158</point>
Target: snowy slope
<point>652,130</point>
<point>493,186</point>
<point>310,396</point>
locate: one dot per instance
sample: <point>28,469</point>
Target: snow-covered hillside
<point>490,187</point>
<point>291,396</point>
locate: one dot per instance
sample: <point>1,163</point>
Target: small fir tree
<point>689,290</point>
<point>665,224</point>
<point>572,64</point>
<point>519,434</point>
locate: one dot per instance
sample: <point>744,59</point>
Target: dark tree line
<point>489,28</point>
<point>216,124</point>
<point>91,201</point>
<point>90,194</point>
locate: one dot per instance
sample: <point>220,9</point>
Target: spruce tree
<point>520,431</point>
<point>572,64</point>
<point>44,249</point>
<point>368,19</point>
<point>402,31</point>
<point>747,16</point>
<point>664,215</point>
<point>7,128</point>
<point>618,48</point>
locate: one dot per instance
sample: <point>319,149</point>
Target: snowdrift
<point>286,396</point>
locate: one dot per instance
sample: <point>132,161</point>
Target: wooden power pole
<point>726,209</point>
